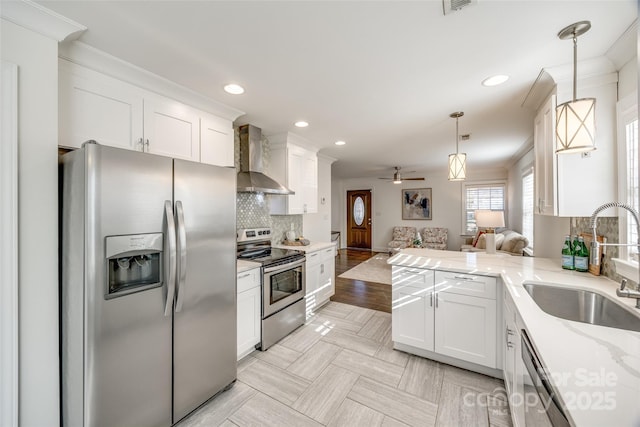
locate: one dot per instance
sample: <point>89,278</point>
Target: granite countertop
<point>242,265</point>
<point>313,247</point>
<point>595,369</point>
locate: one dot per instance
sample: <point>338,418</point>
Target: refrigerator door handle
<point>170,256</point>
<point>182,256</point>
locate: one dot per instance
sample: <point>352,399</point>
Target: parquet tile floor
<point>340,369</point>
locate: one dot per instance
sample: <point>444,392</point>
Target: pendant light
<point>576,119</point>
<point>457,161</point>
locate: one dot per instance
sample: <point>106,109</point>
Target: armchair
<point>434,237</point>
<point>402,237</point>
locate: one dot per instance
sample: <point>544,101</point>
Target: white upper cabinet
<point>171,129</point>
<point>294,164</point>
<point>574,185</point>
<point>94,106</point>
<point>216,141</point>
<point>119,114</point>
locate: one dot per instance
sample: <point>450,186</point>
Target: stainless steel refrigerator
<point>148,292</point>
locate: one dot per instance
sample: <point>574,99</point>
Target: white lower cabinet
<point>412,316</point>
<point>466,317</point>
<point>248,311</point>
<point>447,313</point>
<point>320,278</point>
<point>412,307</point>
<point>513,378</point>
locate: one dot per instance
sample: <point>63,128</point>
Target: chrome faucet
<point>595,247</point>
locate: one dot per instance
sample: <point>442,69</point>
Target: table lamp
<point>489,220</point>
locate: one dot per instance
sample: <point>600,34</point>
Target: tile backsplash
<point>280,224</point>
<point>253,208</point>
<point>607,227</point>
<point>253,211</point>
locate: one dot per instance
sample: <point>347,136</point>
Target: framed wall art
<point>417,203</point>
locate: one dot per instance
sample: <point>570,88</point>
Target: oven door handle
<point>284,266</point>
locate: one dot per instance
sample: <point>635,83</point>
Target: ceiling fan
<point>397,178</point>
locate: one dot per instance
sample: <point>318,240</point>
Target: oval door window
<point>358,211</point>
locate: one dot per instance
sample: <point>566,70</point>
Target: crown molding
<point>38,18</point>
<point>624,49</point>
<point>291,138</point>
<point>76,54</point>
<point>326,158</point>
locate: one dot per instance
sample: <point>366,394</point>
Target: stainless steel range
<point>283,283</point>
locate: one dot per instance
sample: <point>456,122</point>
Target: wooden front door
<point>359,219</point>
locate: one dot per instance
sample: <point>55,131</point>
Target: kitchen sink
<point>582,306</point>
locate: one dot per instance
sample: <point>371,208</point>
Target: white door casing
<point>9,244</point>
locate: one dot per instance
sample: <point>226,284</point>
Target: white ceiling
<point>382,75</point>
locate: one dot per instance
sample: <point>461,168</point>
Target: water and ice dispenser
<point>134,263</point>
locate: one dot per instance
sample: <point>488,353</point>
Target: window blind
<point>489,197</point>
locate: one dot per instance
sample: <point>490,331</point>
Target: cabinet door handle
<point>147,144</point>
<point>244,275</point>
<point>436,300</point>
<point>509,332</point>
<point>469,279</point>
<point>509,344</point>
<point>321,268</point>
<point>141,143</point>
<point>312,255</point>
<point>412,272</point>
<point>431,300</point>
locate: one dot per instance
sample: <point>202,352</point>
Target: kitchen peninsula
<point>594,369</point>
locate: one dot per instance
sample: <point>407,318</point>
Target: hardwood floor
<point>375,296</point>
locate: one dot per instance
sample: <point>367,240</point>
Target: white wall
<point>37,60</point>
<point>514,190</point>
<point>628,78</point>
<point>317,227</point>
<point>386,205</point>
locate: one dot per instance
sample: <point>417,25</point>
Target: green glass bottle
<point>581,256</point>
<point>567,254</point>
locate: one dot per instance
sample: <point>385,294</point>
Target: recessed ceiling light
<point>234,89</point>
<point>340,142</point>
<point>495,80</point>
<point>301,124</point>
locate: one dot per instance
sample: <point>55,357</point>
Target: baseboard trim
<point>496,373</point>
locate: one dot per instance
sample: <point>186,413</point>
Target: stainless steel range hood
<point>250,178</point>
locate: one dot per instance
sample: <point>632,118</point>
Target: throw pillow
<point>482,241</point>
<point>476,238</point>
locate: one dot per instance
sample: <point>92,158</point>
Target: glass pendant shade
<point>576,126</point>
<point>457,166</point>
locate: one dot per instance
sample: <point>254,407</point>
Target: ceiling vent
<point>449,6</point>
